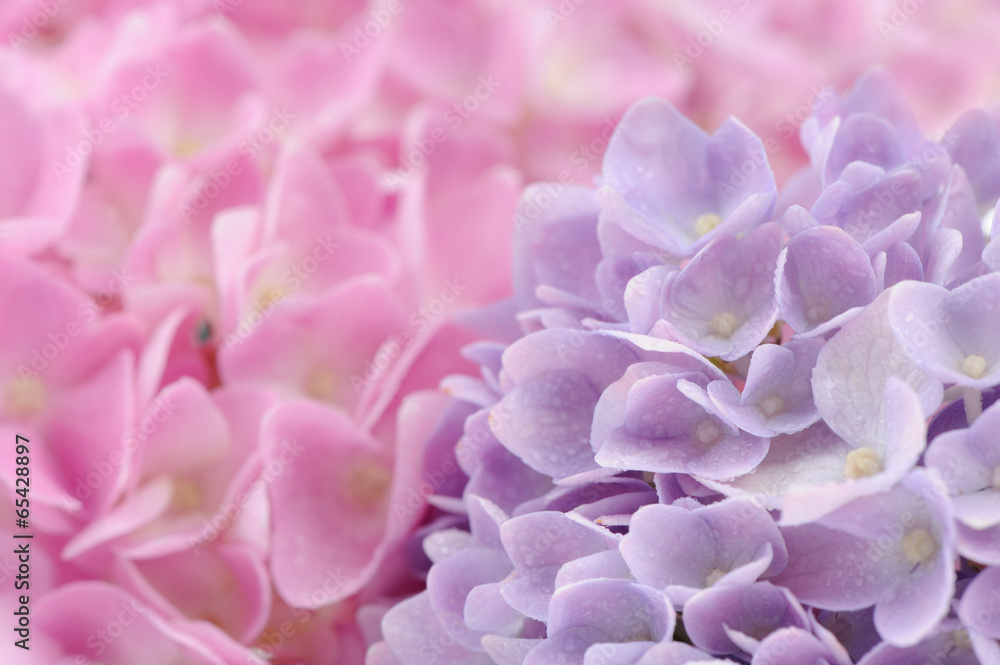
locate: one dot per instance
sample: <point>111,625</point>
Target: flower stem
<point>973,400</point>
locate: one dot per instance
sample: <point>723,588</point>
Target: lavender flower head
<point>733,430</point>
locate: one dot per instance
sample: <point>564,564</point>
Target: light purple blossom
<point>725,435</point>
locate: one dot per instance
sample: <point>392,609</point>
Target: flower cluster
<point>240,246</point>
<point>741,425</point>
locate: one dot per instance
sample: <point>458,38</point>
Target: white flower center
<point>706,223</point>
<point>707,432</point>
<point>817,312</point>
<point>862,463</point>
<point>714,577</point>
<point>973,366</point>
<point>724,324</point>
<point>771,405</point>
<point>919,546</point>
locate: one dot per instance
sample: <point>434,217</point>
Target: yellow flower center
<point>322,384</point>
<point>862,463</point>
<point>187,496</point>
<point>368,483</point>
<point>973,366</point>
<point>919,546</point>
<point>706,223</point>
<point>24,397</point>
<point>714,577</point>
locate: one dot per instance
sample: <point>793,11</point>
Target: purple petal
<point>979,608</point>
<point>824,273</point>
<point>863,137</point>
<point>755,610</point>
<point>811,457</point>
<point>412,630</point>
<point>608,564</point>
<point>556,242</point>
<point>450,581</point>
<point>622,610</point>
<point>667,171</point>
<point>794,646</point>
<point>851,373</point>
<point>723,302</point>
<point>901,263</point>
<point>975,146</point>
<point>508,650</point>
<point>777,397</point>
<point>951,335</point>
<point>488,612</point>
<point>611,653</point>
<point>943,646</point>
<point>869,469</point>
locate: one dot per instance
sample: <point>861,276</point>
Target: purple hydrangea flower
<point>968,460</point>
<point>682,551</point>
<point>716,412</point>
<point>894,550</point>
<point>951,334</point>
<point>671,185</point>
<point>653,419</point>
<point>723,302</point>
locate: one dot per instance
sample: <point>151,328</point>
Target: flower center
<point>269,297</point>
<point>817,312</point>
<point>367,483</point>
<point>961,638</point>
<point>706,223</point>
<point>973,366</point>
<point>771,405</point>
<point>714,577</point>
<point>707,432</point>
<point>724,324</point>
<point>321,384</point>
<point>862,463</point>
<point>187,496</point>
<point>919,546</point>
<point>24,397</point>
